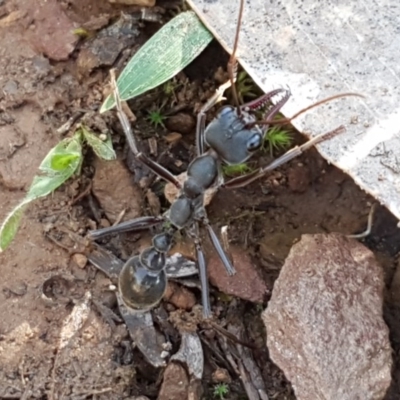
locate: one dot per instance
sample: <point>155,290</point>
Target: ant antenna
<point>232,64</point>
<point>302,111</point>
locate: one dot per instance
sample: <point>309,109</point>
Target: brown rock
<point>221,375</point>
<point>324,321</point>
<point>115,190</point>
<point>173,137</point>
<point>175,385</point>
<point>96,22</point>
<point>179,296</point>
<point>181,122</point>
<point>80,260</point>
<point>246,283</point>
<point>53,30</point>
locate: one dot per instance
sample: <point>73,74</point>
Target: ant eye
<point>254,143</point>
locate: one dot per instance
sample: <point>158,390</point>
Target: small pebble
<point>221,375</point>
<point>181,123</point>
<point>173,137</point>
<point>179,296</point>
<point>80,260</point>
<point>104,223</point>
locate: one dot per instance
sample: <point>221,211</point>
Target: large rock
<point>324,321</point>
<point>115,190</point>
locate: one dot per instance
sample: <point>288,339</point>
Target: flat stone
<point>324,321</point>
<point>114,189</point>
<point>318,49</point>
<point>246,283</point>
<point>103,49</point>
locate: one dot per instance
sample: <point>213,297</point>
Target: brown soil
<point>39,94</point>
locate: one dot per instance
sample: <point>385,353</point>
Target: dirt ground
<point>44,83</point>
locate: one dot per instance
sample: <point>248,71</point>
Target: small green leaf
<point>236,169</point>
<point>63,160</point>
<point>68,153</point>
<point>10,226</point>
<point>103,149</point>
<point>59,165</point>
<point>43,185</point>
<point>165,54</point>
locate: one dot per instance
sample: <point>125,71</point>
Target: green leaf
<point>103,149</point>
<point>65,155</point>
<point>43,185</point>
<point>63,160</point>
<point>59,165</point>
<point>10,226</point>
<point>165,54</point>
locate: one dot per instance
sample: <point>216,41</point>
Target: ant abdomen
<point>139,287</point>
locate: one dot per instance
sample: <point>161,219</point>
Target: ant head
<point>230,136</point>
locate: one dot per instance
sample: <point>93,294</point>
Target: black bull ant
<point>231,138</point>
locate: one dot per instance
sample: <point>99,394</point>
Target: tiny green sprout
<point>220,391</point>
<point>246,88</point>
<point>236,170</point>
<point>277,139</point>
<point>170,87</point>
<point>156,118</point>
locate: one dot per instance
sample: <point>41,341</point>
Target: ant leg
<point>289,155</point>
<point>126,126</point>
<point>132,225</point>
<point>201,116</point>
<point>205,291</point>
<point>193,232</point>
<point>218,247</point>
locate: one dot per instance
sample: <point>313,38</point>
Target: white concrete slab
<point>321,48</point>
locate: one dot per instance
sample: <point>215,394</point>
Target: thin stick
<point>369,225</point>
<point>232,64</point>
